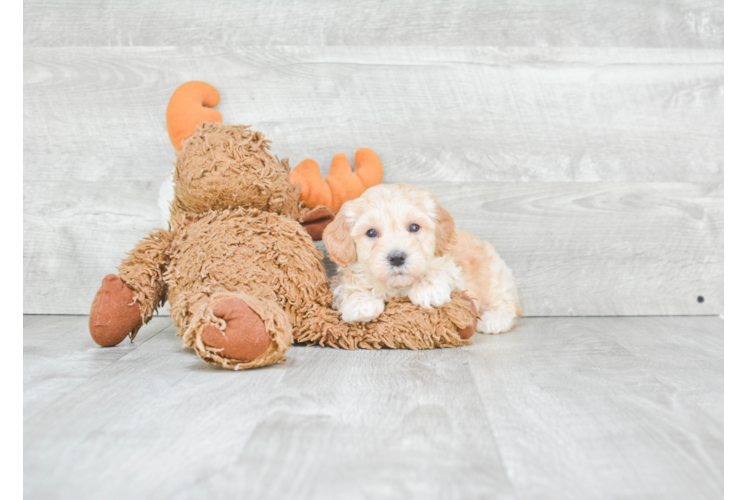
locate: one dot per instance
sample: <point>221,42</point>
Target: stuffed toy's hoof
<point>468,331</point>
<point>316,221</point>
<point>237,330</point>
<point>114,312</point>
<point>244,338</point>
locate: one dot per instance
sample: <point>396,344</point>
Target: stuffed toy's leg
<point>237,330</point>
<point>125,302</point>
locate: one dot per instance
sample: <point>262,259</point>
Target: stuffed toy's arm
<point>402,325</point>
<point>128,300</point>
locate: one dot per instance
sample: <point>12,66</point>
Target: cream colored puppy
<point>396,240</point>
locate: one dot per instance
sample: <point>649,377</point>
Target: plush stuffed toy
<point>238,262</point>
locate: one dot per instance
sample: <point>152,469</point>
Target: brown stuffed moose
<point>238,263</point>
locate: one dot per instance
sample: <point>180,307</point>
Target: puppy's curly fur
<point>397,241</point>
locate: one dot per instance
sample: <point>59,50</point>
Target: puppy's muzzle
<point>397,259</point>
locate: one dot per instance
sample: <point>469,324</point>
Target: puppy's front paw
<point>359,309</point>
<point>427,293</point>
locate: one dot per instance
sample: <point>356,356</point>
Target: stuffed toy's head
<point>229,166</point>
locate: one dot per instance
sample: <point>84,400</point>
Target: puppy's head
<point>393,231</point>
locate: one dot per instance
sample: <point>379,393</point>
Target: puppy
<point>395,241</point>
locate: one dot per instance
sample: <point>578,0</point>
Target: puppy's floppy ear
<point>338,240</point>
<point>445,231</point>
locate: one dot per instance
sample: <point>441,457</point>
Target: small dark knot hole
<point>699,299</point>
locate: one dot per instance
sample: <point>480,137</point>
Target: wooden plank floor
<point>558,408</point>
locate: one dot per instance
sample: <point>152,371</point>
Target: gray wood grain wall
<point>582,138</point>
<point>733,154</point>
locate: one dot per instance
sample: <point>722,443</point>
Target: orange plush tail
<point>341,184</point>
<point>189,107</point>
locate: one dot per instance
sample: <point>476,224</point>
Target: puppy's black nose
<point>397,259</point>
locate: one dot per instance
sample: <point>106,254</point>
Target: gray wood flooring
<point>559,408</point>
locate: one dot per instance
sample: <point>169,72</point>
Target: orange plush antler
<point>189,107</point>
<point>341,184</point>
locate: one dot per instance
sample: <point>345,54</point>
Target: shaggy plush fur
<point>235,233</point>
<point>227,166</point>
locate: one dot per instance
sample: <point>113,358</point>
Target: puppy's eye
<point>413,228</point>
<point>371,233</point>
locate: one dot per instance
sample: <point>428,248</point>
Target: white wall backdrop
<point>583,138</point>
